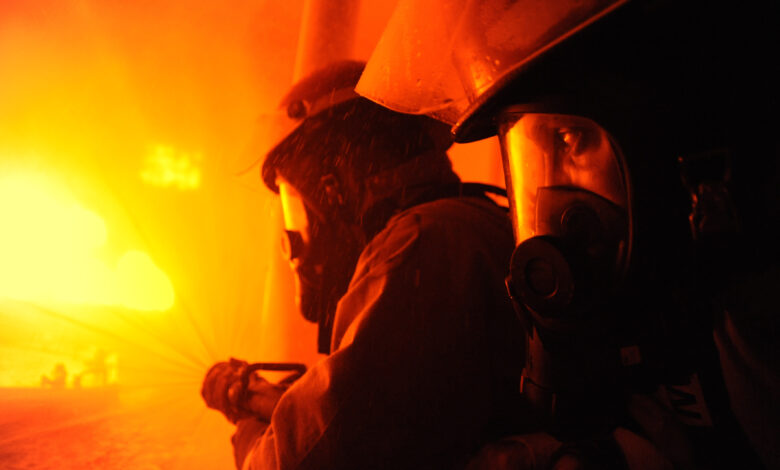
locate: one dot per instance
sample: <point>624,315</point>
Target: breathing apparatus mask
<point>297,247</point>
<point>569,204</point>
<point>308,243</point>
<point>322,251</point>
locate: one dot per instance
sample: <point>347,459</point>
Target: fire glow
<point>165,167</point>
<point>50,253</point>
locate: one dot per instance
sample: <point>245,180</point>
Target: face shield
<point>570,204</point>
<point>297,237</point>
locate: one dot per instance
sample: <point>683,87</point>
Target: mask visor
<point>296,221</point>
<point>544,151</point>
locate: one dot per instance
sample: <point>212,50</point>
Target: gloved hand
<point>223,389</point>
<point>235,389</point>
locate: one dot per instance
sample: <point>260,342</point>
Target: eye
<point>574,142</point>
<point>569,139</point>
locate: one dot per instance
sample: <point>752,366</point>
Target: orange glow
<point>167,168</point>
<point>142,285</point>
<point>50,246</point>
<point>117,120</point>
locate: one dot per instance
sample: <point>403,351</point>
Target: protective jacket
<point>426,354</point>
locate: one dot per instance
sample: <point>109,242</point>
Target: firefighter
<point>644,198</point>
<point>402,266</point>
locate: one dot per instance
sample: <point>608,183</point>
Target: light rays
<point>115,336</point>
<point>183,304</point>
<point>90,90</point>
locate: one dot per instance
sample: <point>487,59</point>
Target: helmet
<point>313,96</point>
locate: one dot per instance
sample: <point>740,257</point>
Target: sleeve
<point>407,387</point>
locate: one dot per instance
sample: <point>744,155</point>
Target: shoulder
<point>437,261</point>
<point>468,213</point>
<point>455,223</point>
<point>451,226</point>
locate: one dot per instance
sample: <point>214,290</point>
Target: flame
<point>165,167</point>
<point>49,252</point>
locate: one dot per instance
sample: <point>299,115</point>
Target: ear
<point>341,196</point>
<point>333,191</point>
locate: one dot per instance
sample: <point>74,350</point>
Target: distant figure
<point>97,367</point>
<point>58,378</point>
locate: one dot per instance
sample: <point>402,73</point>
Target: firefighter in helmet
<point>644,204</point>
<point>402,266</point>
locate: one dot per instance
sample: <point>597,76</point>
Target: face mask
<point>322,254</point>
<point>569,200</point>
